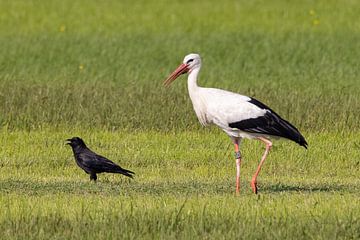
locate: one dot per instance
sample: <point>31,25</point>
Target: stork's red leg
<point>268,147</point>
<point>238,162</point>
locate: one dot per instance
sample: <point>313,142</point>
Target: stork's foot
<point>253,185</point>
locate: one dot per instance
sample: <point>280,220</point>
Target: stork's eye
<point>189,61</point>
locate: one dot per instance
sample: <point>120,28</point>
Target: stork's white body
<point>222,107</point>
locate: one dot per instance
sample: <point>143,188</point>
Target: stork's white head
<point>191,62</point>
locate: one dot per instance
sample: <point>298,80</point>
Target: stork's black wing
<point>270,124</point>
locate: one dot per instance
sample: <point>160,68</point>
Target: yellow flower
<point>81,67</point>
<point>312,12</point>
<point>316,22</point>
<point>62,28</point>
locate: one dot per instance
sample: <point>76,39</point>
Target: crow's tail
<point>125,172</point>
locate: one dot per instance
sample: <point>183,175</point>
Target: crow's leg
<point>93,176</point>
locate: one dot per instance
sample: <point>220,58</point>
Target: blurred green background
<point>101,64</point>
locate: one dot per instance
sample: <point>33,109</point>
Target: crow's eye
<point>189,61</point>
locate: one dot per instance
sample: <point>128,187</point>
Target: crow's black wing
<point>97,163</point>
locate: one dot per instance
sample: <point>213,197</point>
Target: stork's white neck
<point>192,80</point>
<point>196,96</point>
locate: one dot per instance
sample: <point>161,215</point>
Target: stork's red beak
<point>183,68</point>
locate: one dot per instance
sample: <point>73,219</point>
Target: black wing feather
<point>93,162</point>
<point>270,124</point>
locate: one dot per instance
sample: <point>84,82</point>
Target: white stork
<point>237,115</point>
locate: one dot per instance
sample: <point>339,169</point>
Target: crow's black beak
<point>69,143</point>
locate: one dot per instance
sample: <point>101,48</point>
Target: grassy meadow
<point>95,69</point>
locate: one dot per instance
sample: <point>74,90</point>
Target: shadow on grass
<point>331,187</point>
<point>122,187</point>
<point>126,187</point>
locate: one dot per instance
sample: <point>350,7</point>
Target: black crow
<point>93,163</point>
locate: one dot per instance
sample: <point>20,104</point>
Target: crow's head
<point>76,142</point>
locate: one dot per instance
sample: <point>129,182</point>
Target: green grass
<point>178,193</point>
<point>95,69</point>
